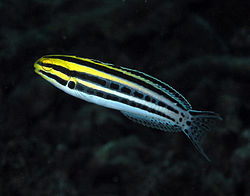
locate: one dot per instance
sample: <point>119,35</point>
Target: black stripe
<point>88,77</point>
<point>56,67</point>
<point>166,116</point>
<point>126,90</point>
<point>125,76</point>
<point>79,75</point>
<point>114,86</point>
<point>97,80</point>
<point>102,82</point>
<point>160,83</point>
<point>160,103</point>
<point>58,79</point>
<point>81,88</point>
<point>138,94</point>
<point>172,109</point>
<point>102,94</point>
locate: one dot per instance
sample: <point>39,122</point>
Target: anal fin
<point>151,122</point>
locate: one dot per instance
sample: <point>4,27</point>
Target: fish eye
<point>45,64</point>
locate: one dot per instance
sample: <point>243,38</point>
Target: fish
<point>140,97</point>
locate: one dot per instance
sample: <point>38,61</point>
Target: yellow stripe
<point>52,71</point>
<point>80,68</point>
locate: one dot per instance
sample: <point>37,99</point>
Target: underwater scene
<point>125,98</point>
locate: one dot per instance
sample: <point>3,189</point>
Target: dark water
<point>54,144</point>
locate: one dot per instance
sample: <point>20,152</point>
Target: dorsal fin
<point>162,86</point>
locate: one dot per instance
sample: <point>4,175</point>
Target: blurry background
<point>54,144</point>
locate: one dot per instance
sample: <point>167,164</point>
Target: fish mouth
<point>43,67</point>
<point>37,67</point>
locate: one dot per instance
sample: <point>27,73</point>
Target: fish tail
<point>196,129</point>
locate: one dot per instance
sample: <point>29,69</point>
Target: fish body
<point>139,96</point>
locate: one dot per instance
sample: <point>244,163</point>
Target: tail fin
<point>196,130</point>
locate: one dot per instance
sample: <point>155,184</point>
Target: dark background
<point>54,144</point>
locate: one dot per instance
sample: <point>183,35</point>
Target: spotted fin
<point>152,122</point>
<point>201,123</point>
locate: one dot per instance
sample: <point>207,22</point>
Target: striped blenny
<point>140,97</point>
